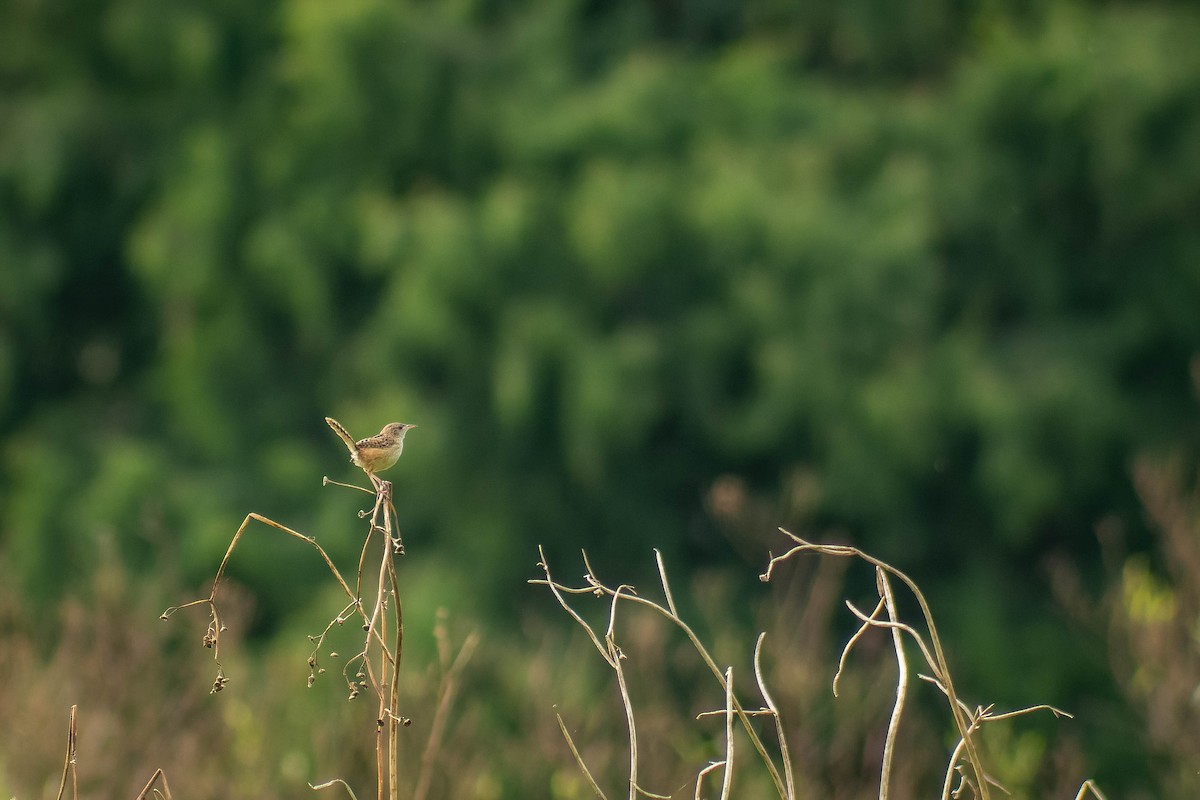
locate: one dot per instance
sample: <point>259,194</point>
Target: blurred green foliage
<point>941,258</point>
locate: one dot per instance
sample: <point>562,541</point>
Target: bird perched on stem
<point>375,453</point>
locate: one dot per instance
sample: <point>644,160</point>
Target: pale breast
<point>375,459</point>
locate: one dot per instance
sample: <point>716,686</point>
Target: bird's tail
<point>342,433</point>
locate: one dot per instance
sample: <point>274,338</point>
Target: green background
<point>921,277</point>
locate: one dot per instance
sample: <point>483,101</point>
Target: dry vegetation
<point>670,707</point>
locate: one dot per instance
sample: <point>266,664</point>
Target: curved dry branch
<point>378,663</point>
<point>596,587</point>
<point>961,721</point>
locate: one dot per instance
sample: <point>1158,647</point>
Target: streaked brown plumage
<point>375,453</point>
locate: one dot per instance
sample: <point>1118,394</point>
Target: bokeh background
<point>922,277</point>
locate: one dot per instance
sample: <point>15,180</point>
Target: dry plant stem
<point>869,621</point>
<point>363,657</point>
<point>671,615</point>
<point>788,777</point>
<point>69,766</point>
<point>327,784</point>
<point>386,740</point>
<point>380,748</point>
<point>614,660</point>
<point>888,601</point>
<point>376,610</point>
<point>866,626</point>
<point>727,782</point>
<point>616,656</point>
<point>597,588</point>
<point>378,627</point>
<point>69,760</point>
<point>1090,786</point>
<point>579,759</point>
<point>951,768</point>
<point>362,563</point>
<point>872,622</point>
<point>158,776</point>
<point>700,776</point>
<point>387,692</point>
<point>942,668</point>
<point>394,684</point>
<point>445,695</point>
<point>963,779</point>
<point>978,717</point>
<point>213,637</point>
<point>662,577</point>
<point>318,642</point>
<point>889,745</point>
<point>362,555</point>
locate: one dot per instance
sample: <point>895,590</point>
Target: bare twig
<point>596,587</point>
<point>712,767</point>
<point>872,622</point>
<point>212,638</point>
<point>788,777</point>
<point>727,781</point>
<point>866,626</point>
<point>579,759</point>
<point>69,760</point>
<point>941,666</point>
<point>394,718</point>
<point>615,657</point>
<point>1090,786</point>
<point>336,781</point>
<point>889,745</point>
<point>158,777</point>
<point>384,627</point>
<point>662,577</point>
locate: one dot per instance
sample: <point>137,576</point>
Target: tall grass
<point>640,700</point>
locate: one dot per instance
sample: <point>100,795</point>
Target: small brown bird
<point>375,453</point>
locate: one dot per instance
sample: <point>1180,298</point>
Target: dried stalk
<point>383,626</point>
